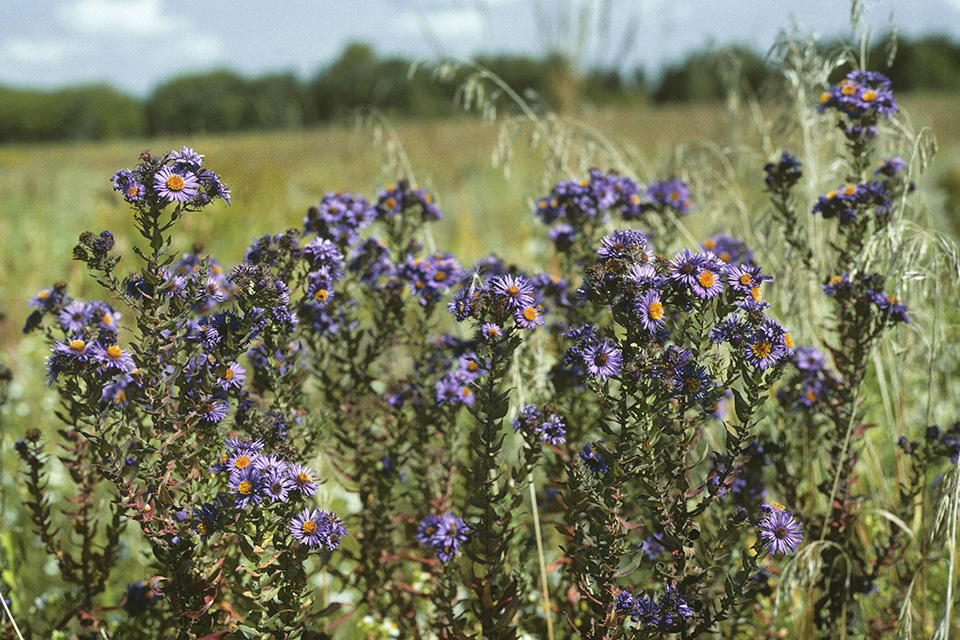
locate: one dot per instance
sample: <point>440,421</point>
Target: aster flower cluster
<point>669,613</point>
<point>445,534</point>
<point>179,177</point>
<point>778,529</point>
<point>861,98</point>
<point>403,197</point>
<point>573,208</point>
<point>492,301</point>
<point>648,294</point>
<point>140,597</point>
<point>256,479</point>
<point>339,217</point>
<point>864,302</point>
<point>454,387</point>
<point>745,483</point>
<point>847,201</point>
<point>546,424</point>
<point>732,251</point>
<point>810,384</point>
<point>781,176</point>
<point>937,443</point>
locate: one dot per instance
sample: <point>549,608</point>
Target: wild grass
<point>49,194</point>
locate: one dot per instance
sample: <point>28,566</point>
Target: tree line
<point>223,100</point>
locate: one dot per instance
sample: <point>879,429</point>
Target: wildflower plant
<point>352,431</point>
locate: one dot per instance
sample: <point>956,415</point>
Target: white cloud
<point>118,17</point>
<point>41,51</point>
<point>445,24</point>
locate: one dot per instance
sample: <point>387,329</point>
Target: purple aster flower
<point>603,360</point>
<point>593,461</point>
<point>213,410</point>
<point>890,167</point>
<point>207,519</point>
<point>303,480</point>
<point>528,317</point>
<point>68,357</point>
<point>451,534</point>
<point>670,193</point>
<point>686,266</point>
<point>763,351</point>
<point>563,236</point>
<point>232,377</point>
<point>491,331</point>
<point>810,359</point>
<point>308,527</point>
<point>780,531</point>
<point>553,430</point>
<point>176,186</point>
<point>269,463</point>
<point>247,485</point>
<point>644,276</point>
<point>628,244</point>
<point>518,290</point>
<point>186,158</point>
<point>112,359</point>
<point>277,485</point>
<point>427,529</point>
<point>650,309</point>
<point>75,316</point>
<point>784,174</point>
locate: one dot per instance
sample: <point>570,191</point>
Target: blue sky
<point>134,44</point>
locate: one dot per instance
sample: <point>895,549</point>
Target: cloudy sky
<point>134,44</point>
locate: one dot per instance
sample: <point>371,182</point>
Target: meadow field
<point>50,193</point>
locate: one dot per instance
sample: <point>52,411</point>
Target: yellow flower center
<point>107,318</point>
<point>440,276</point>
<point>655,311</point>
<point>467,392</point>
<point>893,299</point>
<point>635,199</point>
<point>709,244</point>
<point>835,280</point>
<point>848,89</point>
<point>692,385</point>
<point>321,294</point>
<point>831,195</point>
<point>542,204</point>
<point>302,479</point>
<point>43,295</point>
<point>242,462</point>
<point>811,396</point>
<point>824,97</point>
<point>493,332</point>
<point>850,189</point>
<point>777,506</point>
<point>132,190</point>
<point>674,195</point>
<point>746,279</point>
<point>114,353</point>
<point>175,182</point>
<point>472,366</point>
<point>755,294</point>
<point>78,346</point>
<point>513,290</point>
<point>202,528</point>
<point>787,340</point>
<point>245,488</point>
<point>869,96</point>
<point>725,256</point>
<point>390,203</point>
<point>530,314</point>
<point>228,374</point>
<point>121,397</point>
<point>761,349</point>
<point>707,279</point>
<point>309,527</point>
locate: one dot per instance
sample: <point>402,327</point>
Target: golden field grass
<point>51,193</point>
